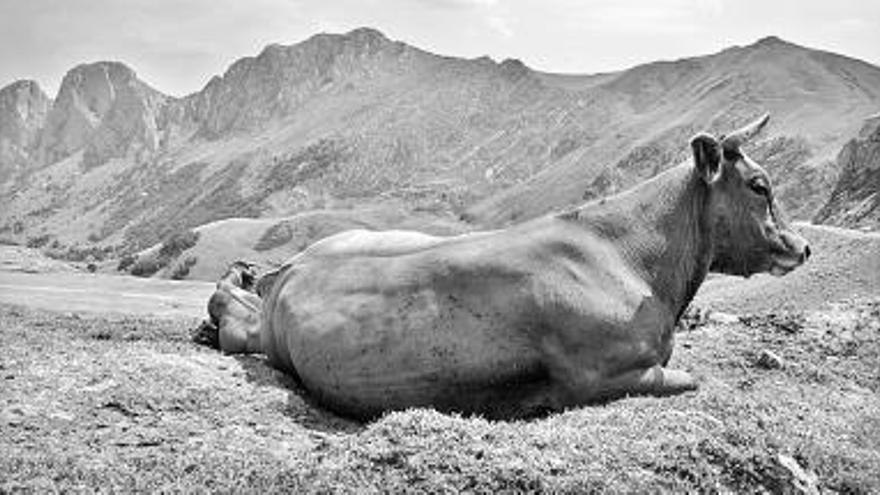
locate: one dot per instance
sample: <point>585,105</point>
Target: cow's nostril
<point>806,254</point>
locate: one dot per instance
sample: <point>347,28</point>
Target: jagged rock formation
<point>855,201</point>
<point>105,110</point>
<point>256,90</point>
<point>23,109</point>
<point>356,119</point>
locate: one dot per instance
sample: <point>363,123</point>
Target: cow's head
<point>750,231</point>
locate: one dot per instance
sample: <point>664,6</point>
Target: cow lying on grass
<point>556,312</point>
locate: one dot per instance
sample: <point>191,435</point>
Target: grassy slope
<point>269,242</point>
<point>125,403</point>
<point>845,263</point>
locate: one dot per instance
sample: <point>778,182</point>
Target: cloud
<point>458,4</point>
<point>658,16</point>
<point>500,25</point>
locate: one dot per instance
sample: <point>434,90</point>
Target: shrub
<point>38,242</point>
<point>277,235</point>
<point>171,248</point>
<point>125,262</point>
<point>177,243</point>
<point>76,253</point>
<point>182,270</point>
<point>147,267</point>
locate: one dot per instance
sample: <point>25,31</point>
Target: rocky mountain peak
<point>366,36</point>
<point>104,107</point>
<point>772,41</point>
<point>23,105</point>
<point>255,90</point>
<point>23,109</point>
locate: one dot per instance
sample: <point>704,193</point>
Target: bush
<point>125,262</point>
<point>177,243</point>
<point>277,235</point>
<point>38,242</point>
<point>76,253</point>
<point>171,248</point>
<point>147,267</point>
<point>182,270</point>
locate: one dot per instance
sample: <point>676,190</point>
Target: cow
<point>234,310</point>
<point>561,311</point>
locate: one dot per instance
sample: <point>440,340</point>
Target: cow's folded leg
<point>655,380</point>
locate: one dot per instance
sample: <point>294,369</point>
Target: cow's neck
<point>663,232</point>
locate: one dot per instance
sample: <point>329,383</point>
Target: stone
<point>770,360</point>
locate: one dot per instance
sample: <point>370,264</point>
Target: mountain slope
<point>855,201</point>
<point>816,100</point>
<point>354,119</point>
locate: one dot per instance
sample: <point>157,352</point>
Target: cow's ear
<point>707,156</point>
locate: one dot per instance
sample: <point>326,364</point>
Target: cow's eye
<point>759,188</point>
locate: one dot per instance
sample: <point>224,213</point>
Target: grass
<point>113,403</point>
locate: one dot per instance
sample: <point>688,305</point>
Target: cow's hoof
<point>206,334</point>
<point>677,382</point>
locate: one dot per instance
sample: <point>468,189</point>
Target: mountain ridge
<point>341,120</point>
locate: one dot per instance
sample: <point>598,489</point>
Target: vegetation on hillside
<point>169,250</point>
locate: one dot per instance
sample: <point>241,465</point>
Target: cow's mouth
<point>783,265</point>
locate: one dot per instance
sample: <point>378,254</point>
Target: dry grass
<point>113,403</point>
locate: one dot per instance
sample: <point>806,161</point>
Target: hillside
<point>340,121</point>
<point>855,200</point>
<point>817,100</point>
<point>845,265</point>
<point>269,242</point>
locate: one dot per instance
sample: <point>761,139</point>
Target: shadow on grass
<point>301,407</point>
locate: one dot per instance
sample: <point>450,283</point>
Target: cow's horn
<point>742,135</point>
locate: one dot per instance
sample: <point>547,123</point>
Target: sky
<point>176,46</point>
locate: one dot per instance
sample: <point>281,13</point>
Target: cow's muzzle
<point>796,253</point>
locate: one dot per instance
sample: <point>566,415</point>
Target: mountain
<point>357,120</point>
<point>855,200</point>
<point>104,110</point>
<point>816,101</point>
<point>23,110</point>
